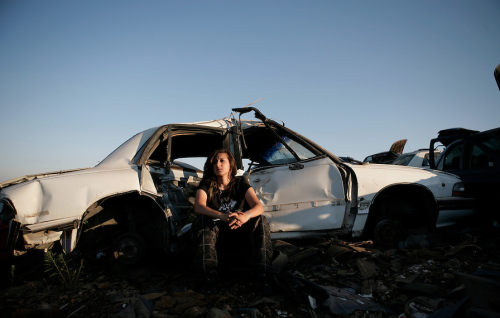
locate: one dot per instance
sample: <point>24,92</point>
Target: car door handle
<point>296,166</point>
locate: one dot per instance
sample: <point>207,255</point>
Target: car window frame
<point>441,158</point>
<point>302,141</point>
<point>166,132</point>
<point>486,150</point>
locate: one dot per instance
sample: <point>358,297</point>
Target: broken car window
<point>264,148</point>
<point>278,154</point>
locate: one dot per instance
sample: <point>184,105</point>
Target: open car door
<point>301,188</point>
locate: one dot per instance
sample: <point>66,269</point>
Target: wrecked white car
<point>139,196</point>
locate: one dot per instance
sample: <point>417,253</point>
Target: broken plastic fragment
<point>312,302</point>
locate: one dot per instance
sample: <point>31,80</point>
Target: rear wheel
<point>129,248</point>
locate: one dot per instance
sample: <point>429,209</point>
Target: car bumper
<point>454,209</point>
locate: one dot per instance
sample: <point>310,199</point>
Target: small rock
<point>44,306</point>
<point>101,279</point>
<point>193,312</point>
<point>218,313</point>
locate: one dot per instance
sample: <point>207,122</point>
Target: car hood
<point>447,135</point>
<point>398,146</point>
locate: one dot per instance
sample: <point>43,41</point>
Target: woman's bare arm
<point>201,208</point>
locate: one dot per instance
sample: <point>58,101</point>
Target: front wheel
<point>388,233</point>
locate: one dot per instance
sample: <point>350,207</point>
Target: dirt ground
<point>457,270</point>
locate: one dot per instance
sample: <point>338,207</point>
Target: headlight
<point>458,190</point>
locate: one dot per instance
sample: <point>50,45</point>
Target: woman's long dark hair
<point>210,177</point>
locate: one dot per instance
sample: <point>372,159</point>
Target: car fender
<point>46,200</point>
<point>374,179</point>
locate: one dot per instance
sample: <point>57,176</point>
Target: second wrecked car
<point>139,196</point>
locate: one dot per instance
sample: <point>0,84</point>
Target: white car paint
<point>295,201</point>
<point>374,177</point>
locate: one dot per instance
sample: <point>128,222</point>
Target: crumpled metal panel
<point>42,237</point>
<point>147,184</point>
<point>301,200</point>
<point>27,197</point>
<point>68,195</point>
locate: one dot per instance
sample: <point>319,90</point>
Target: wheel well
<point>126,213</point>
<point>411,204</point>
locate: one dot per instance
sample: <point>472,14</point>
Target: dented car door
<point>304,196</point>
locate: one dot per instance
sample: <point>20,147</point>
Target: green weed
<point>57,266</point>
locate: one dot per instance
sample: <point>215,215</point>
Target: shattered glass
<point>279,154</point>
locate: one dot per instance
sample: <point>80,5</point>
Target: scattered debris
<point>324,277</point>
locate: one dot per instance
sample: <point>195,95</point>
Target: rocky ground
<point>326,277</point>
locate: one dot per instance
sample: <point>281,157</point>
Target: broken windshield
<point>278,154</point>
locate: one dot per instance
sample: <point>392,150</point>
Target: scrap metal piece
<point>342,301</point>
<point>367,269</point>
